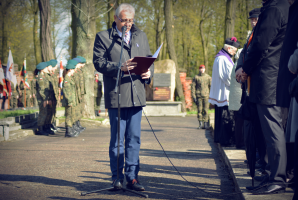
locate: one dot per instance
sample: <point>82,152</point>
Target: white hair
<point>125,7</point>
<point>227,45</point>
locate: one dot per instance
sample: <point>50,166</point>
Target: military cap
<point>82,59</point>
<point>41,65</point>
<point>232,41</point>
<point>202,66</point>
<point>71,64</point>
<point>254,13</point>
<point>52,62</point>
<point>78,60</point>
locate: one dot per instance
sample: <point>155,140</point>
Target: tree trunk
<point>83,29</point>
<point>229,20</point>
<point>247,14</point>
<point>45,30</point>
<point>37,49</point>
<point>4,12</point>
<point>168,9</point>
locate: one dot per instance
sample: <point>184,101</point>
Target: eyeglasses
<point>131,21</point>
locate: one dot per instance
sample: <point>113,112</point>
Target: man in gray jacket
<point>106,55</point>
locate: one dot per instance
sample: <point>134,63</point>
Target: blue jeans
<point>130,131</point>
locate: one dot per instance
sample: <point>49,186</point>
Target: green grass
<point>15,113</point>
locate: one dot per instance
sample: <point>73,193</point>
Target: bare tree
<point>168,9</point>
<point>45,30</point>
<point>5,5</point>
<point>230,18</point>
<point>84,14</point>
<point>205,35</point>
<point>37,50</point>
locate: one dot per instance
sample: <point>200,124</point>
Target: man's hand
<point>128,65</point>
<point>50,102</point>
<point>241,75</point>
<point>45,103</point>
<point>33,95</point>
<point>146,75</point>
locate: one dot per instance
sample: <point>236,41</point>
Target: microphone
<point>124,28</point>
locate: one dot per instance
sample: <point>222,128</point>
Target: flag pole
<point>25,81</point>
<point>8,93</point>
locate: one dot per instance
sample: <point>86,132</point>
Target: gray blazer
<point>106,55</point>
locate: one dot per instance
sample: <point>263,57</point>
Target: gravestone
<point>161,87</point>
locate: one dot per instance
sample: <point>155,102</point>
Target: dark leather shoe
<point>264,183</point>
<point>270,189</point>
<point>135,185</point>
<point>116,185</point>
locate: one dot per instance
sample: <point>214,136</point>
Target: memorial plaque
<point>161,93</point>
<point>161,80</point>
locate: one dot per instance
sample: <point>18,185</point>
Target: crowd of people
<point>258,94</point>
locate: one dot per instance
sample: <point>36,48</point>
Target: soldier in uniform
<point>81,70</point>
<point>200,89</point>
<point>54,80</point>
<point>97,94</point>
<point>69,99</point>
<point>42,95</point>
<point>33,91</point>
<point>23,87</point>
<point>14,96</point>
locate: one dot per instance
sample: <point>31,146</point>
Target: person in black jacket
<point>262,65</point>
<point>106,55</point>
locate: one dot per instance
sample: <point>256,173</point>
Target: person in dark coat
<point>106,55</point>
<point>285,77</point>
<point>262,65</point>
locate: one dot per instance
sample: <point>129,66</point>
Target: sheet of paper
<point>157,52</point>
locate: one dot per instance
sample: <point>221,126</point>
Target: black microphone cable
<point>165,151</point>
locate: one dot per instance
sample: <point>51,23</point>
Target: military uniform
<point>200,93</point>
<point>33,92</point>
<point>54,95</point>
<point>69,101</point>
<point>97,94</point>
<point>28,94</point>
<point>14,96</point>
<point>42,94</point>
<point>77,109</point>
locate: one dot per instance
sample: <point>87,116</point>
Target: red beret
<point>202,66</point>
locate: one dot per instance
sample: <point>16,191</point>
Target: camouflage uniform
<point>14,96</point>
<point>97,94</point>
<point>33,92</point>
<point>77,109</point>
<point>200,89</point>
<point>83,90</point>
<point>52,97</point>
<point>28,93</point>
<point>69,100</point>
<point>54,81</point>
<point>42,94</point>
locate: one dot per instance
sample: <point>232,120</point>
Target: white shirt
<point>221,79</point>
<point>120,34</point>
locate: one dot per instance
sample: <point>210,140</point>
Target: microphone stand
<point>117,183</point>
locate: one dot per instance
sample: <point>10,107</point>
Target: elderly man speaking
<point>106,55</point>
<point>220,90</point>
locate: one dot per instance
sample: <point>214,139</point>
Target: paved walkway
<point>55,167</point>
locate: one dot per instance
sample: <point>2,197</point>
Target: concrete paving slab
<point>55,167</point>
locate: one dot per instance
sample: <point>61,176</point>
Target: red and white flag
<point>2,78</point>
<point>9,68</point>
<point>61,74</point>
